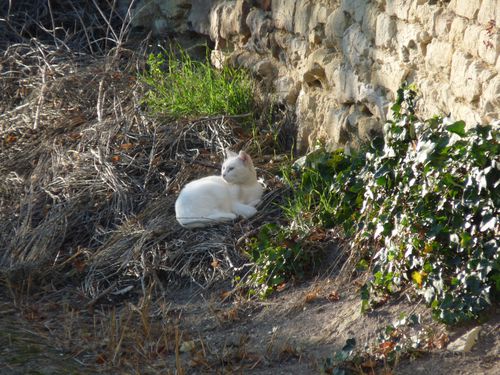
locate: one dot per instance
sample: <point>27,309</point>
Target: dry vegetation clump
<point>89,179</point>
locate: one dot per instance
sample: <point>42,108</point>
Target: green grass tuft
<point>182,87</point>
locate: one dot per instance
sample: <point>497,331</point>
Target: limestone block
<point>281,39</point>
<point>427,15</point>
<point>305,106</point>
<point>464,112</point>
<point>389,73</point>
<point>318,14</point>
<point>471,39</point>
<point>259,25</point>
<point>457,29</point>
<point>228,19</point>
<point>355,45</point>
<point>465,77</point>
<point>432,101</point>
<point>478,75</point>
<point>240,17</point>
<point>263,4</point>
<point>490,10</point>
<point>282,14</point>
<point>216,18</point>
<point>424,37</point>
<point>302,17</point>
<point>374,101</point>
<point>466,8</point>
<point>335,26</point>
<point>299,48</point>
<point>399,8</point>
<point>316,36</point>
<point>356,8</point>
<point>198,17</point>
<point>465,342</point>
<point>219,58</point>
<point>407,34</point>
<point>265,69</point>
<point>321,14</point>
<point>227,22</point>
<point>246,59</point>
<point>336,125</point>
<point>442,24</point>
<point>489,46</point>
<point>369,25</point>
<point>438,56</point>
<point>287,90</point>
<point>314,71</point>
<point>490,101</point>
<point>367,128</point>
<point>385,30</point>
<point>346,84</point>
<point>257,22</point>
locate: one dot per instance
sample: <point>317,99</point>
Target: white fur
<point>214,199</point>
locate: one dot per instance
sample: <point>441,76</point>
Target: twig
<point>40,98</point>
<point>102,294</point>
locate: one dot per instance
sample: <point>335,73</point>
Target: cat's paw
<point>244,210</point>
<point>254,203</point>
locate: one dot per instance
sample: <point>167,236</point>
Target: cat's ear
<point>229,154</point>
<point>245,158</point>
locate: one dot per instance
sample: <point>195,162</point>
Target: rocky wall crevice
<point>339,63</point>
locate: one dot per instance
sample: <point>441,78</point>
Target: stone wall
<point>338,63</point>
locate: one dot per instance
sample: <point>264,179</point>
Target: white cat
<point>214,199</point>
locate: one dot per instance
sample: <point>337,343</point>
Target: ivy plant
<point>422,205</point>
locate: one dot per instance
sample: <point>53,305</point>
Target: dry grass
<point>90,179</point>
<point>88,182</point>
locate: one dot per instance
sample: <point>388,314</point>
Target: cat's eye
<point>230,169</point>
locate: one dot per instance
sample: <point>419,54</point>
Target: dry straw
<point>87,179</point>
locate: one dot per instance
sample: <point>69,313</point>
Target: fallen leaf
<point>226,294</point>
<point>281,287</point>
<point>79,265</point>
<point>11,138</point>
<point>126,146</point>
<point>187,346</point>
<point>317,235</point>
<point>231,314</point>
<point>75,136</point>
<point>369,363</point>
<point>334,296</point>
<point>311,296</point>
<point>101,359</point>
<point>387,346</point>
<point>441,340</point>
<point>215,263</point>
<point>115,159</point>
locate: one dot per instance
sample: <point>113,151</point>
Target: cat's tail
<point>201,222</point>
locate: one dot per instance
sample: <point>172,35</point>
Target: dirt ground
<point>294,332</point>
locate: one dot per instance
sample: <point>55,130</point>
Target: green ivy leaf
<point>457,128</point>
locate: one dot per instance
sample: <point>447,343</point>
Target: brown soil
<point>203,331</point>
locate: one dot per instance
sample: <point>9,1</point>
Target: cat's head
<point>238,168</point>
